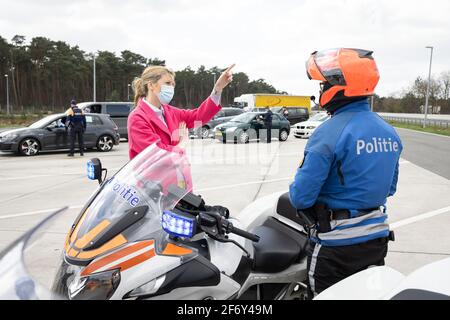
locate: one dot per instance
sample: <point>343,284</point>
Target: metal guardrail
<point>418,121</point>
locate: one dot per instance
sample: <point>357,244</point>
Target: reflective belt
<point>365,227</point>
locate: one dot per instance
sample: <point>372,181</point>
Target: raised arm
<point>209,108</point>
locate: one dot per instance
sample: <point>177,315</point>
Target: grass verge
<point>14,121</point>
<point>435,130</point>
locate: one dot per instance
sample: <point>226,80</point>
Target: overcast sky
<point>266,39</point>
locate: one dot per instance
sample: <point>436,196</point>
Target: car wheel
<point>203,133</point>
<point>283,135</point>
<point>29,147</point>
<point>105,143</point>
<point>243,137</point>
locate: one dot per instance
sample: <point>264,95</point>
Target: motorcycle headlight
<point>148,288</point>
<point>97,286</point>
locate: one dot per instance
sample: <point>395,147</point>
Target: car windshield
<point>244,118</point>
<point>319,117</point>
<point>44,121</point>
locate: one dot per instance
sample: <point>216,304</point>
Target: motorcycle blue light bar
<point>90,170</point>
<point>178,225</point>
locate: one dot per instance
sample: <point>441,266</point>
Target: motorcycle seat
<point>278,248</point>
<point>285,209</point>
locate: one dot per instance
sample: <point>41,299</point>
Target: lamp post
<point>128,92</point>
<point>428,87</point>
<point>7,94</point>
<point>95,97</point>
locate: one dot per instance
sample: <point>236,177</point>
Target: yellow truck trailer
<point>273,100</point>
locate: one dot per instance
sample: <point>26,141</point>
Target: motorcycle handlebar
<point>244,234</point>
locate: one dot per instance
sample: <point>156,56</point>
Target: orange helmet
<point>343,72</point>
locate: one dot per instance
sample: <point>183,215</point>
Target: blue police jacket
<point>350,162</point>
<point>76,118</point>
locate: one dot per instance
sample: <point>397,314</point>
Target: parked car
<point>306,128</point>
<point>50,133</point>
<point>222,116</point>
<point>295,114</point>
<point>248,126</point>
<point>118,112</point>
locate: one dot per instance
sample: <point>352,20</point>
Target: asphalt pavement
<point>233,176</point>
<point>429,151</point>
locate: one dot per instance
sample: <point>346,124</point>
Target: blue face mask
<point>166,94</point>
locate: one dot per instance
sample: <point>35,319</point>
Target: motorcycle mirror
<point>94,170</point>
<point>313,99</point>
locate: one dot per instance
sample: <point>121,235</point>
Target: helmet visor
<point>325,66</point>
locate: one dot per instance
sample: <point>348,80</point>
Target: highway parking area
<point>224,174</point>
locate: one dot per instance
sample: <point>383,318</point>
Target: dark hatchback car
<point>50,133</point>
<point>222,116</point>
<point>294,115</point>
<point>250,126</point>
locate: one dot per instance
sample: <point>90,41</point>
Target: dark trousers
<point>329,265</point>
<point>269,134</point>
<point>74,133</point>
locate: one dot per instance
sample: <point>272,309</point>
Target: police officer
<point>268,124</point>
<point>76,122</point>
<point>350,167</point>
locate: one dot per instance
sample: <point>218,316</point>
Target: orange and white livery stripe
<point>124,258</point>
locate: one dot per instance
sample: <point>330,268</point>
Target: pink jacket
<point>145,128</point>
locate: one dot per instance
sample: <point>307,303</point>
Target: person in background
<point>268,124</point>
<point>285,112</point>
<point>76,124</point>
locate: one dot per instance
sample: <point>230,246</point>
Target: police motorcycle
<point>143,235</point>
<point>430,282</point>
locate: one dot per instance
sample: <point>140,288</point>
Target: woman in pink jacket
<point>155,121</point>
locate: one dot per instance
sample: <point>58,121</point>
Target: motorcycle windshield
<point>128,206</point>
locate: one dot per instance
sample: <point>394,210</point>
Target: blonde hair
<point>150,75</point>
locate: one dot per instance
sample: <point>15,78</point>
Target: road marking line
<point>29,177</point>
<point>40,176</point>
<point>419,217</point>
<point>427,133</point>
<point>32,213</point>
<point>49,175</point>
<point>244,184</point>
<point>198,190</point>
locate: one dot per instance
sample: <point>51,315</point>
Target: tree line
<point>412,99</point>
<point>45,75</point>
